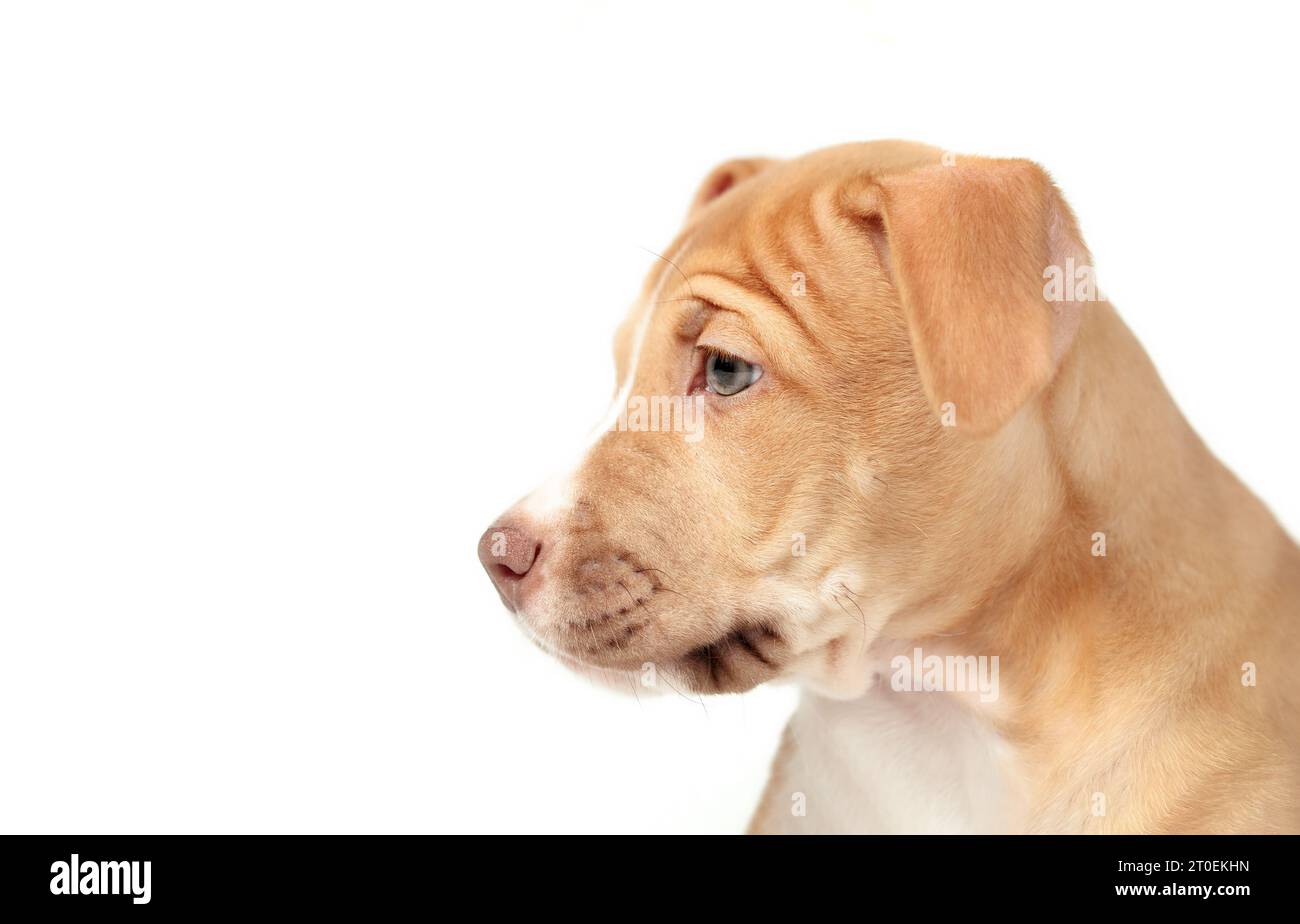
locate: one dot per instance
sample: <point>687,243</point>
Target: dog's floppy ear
<point>971,248</point>
<point>725,176</point>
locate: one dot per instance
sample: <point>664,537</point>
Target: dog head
<point>828,424</point>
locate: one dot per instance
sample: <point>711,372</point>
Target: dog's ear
<point>725,176</point>
<point>972,249</point>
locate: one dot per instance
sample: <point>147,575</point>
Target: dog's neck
<point>1134,495</point>
<point>1133,491</point>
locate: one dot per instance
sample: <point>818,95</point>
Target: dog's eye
<point>728,375</point>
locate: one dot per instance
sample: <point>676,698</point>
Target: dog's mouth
<point>737,660</point>
<point>740,660</point>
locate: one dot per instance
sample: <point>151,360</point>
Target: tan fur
<point>923,285</point>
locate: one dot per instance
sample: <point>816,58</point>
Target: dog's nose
<point>509,553</point>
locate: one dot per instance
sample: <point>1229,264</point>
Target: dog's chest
<point>894,763</point>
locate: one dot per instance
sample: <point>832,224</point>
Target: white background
<point>296,297</point>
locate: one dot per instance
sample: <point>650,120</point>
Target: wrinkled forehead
<point>751,252</point>
<point>726,243</point>
<point>772,243</point>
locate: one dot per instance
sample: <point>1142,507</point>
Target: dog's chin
<point>615,678</point>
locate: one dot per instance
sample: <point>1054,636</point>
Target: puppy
<point>877,433</point>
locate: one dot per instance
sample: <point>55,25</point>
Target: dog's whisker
<point>630,596</point>
<point>862,618</point>
<point>659,585</point>
<point>674,266</point>
<point>699,702</point>
<point>631,682</point>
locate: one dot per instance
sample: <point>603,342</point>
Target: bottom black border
<point>373,873</point>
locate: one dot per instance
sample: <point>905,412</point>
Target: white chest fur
<point>895,763</point>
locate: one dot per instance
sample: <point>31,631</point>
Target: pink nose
<point>508,553</point>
